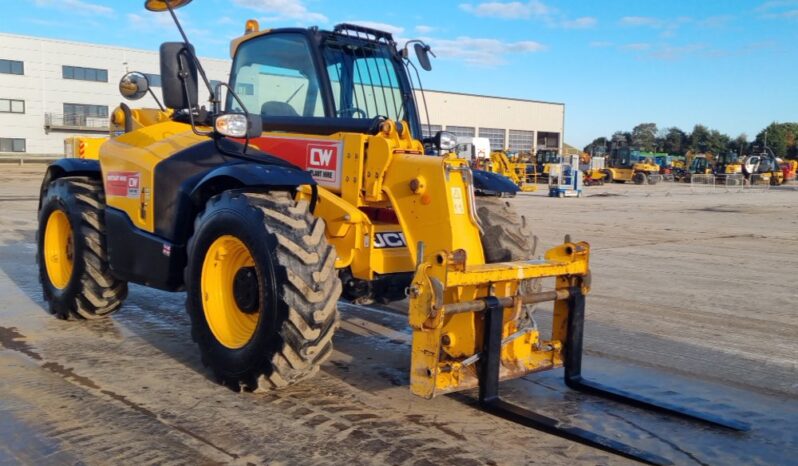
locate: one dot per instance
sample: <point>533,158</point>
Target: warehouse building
<point>53,89</point>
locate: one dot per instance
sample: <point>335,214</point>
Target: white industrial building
<point>53,89</point>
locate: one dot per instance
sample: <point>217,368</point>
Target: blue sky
<point>732,65</point>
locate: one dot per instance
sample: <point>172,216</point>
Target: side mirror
<point>134,85</point>
<point>161,5</point>
<point>422,53</point>
<point>179,76</point>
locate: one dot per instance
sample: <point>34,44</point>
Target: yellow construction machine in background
<point>518,172</point>
<point>625,164</point>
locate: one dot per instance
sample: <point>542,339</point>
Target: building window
<point>427,131</point>
<point>93,111</point>
<point>245,89</point>
<point>461,131</point>
<point>78,114</point>
<point>85,74</point>
<point>495,135</point>
<point>12,106</point>
<point>11,67</point>
<point>521,141</point>
<point>12,145</point>
<point>153,79</point>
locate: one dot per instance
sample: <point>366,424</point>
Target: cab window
<point>274,75</point>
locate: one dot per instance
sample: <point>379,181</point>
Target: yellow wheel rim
<point>58,249</point>
<point>224,261</point>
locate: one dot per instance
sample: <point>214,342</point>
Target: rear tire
<point>639,178</point>
<point>72,256</point>
<point>295,289</point>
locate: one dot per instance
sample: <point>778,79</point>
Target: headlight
<point>446,141</point>
<point>233,125</point>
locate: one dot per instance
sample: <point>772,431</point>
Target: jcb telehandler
<point>310,182</point>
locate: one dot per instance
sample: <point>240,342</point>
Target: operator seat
<point>274,108</point>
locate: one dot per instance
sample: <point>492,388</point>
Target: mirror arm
<point>149,89</point>
<point>214,99</point>
<point>183,77</point>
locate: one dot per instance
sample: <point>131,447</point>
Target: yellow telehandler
<point>310,183</point>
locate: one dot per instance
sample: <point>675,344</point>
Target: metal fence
<point>702,183</point>
<point>68,121</point>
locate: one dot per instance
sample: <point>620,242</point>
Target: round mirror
<point>160,5</point>
<point>133,85</point>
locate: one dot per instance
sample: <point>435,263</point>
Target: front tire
<point>639,178</point>
<point>72,255</point>
<point>261,290</point>
<point>507,237</point>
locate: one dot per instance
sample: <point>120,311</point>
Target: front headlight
<point>233,125</point>
<point>446,141</point>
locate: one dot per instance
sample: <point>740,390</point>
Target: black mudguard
<point>69,167</point>
<point>493,184</point>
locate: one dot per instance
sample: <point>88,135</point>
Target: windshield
<point>274,76</point>
<point>364,79</point>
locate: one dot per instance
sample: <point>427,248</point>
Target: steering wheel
<point>352,111</point>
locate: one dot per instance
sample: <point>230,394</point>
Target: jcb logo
<point>389,240</point>
<point>322,157</point>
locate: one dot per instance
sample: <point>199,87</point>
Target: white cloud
<point>283,9</point>
<point>715,21</point>
<point>778,9</point>
<point>424,29</point>
<point>601,44</point>
<point>481,51</point>
<point>77,6</point>
<point>642,21</point>
<point>585,22</point>
<point>508,10</point>
<point>395,30</point>
<point>637,46</point>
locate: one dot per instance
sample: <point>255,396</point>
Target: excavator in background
<point>266,210</point>
<point>504,164</point>
<point>484,161</point>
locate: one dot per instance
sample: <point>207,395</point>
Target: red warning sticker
<point>124,184</point>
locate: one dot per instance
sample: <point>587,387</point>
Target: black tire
<point>297,288</point>
<point>91,291</point>
<point>608,176</point>
<point>639,178</point>
<point>507,237</point>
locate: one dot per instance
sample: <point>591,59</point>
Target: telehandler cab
<point>308,184</point>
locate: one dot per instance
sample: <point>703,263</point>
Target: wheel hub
<point>245,290</point>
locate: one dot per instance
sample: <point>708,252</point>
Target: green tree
<point>739,144</point>
<point>644,136</point>
<point>718,142</point>
<point>675,141</point>
<point>782,138</point>
<point>700,138</point>
<point>600,143</point>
